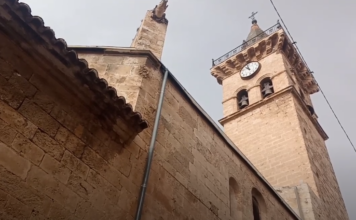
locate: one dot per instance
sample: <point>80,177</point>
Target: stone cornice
<point>119,51</point>
<point>299,68</point>
<point>255,52</point>
<point>276,42</point>
<point>290,89</point>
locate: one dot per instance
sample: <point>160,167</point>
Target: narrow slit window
<point>259,209</point>
<point>234,203</point>
<point>256,209</point>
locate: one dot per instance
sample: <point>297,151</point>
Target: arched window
<point>266,87</point>
<point>234,202</point>
<point>242,99</point>
<point>256,209</point>
<point>259,208</point>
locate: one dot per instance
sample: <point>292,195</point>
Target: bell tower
<point>269,115</point>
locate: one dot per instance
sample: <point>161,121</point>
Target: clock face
<point>250,69</point>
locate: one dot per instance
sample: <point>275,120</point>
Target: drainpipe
<point>152,147</point>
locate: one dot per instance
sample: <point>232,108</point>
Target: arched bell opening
<point>242,99</point>
<point>266,87</point>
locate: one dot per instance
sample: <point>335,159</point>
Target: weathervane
<point>253,16</point>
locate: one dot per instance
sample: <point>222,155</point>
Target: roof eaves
<point>87,75</point>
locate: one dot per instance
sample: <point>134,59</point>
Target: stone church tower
<point>78,126</point>
<point>269,115</point>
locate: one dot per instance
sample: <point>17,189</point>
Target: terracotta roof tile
<point>85,74</point>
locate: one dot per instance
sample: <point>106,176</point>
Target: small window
<point>266,87</point>
<point>256,209</point>
<point>242,99</point>
<point>234,202</point>
<point>259,208</point>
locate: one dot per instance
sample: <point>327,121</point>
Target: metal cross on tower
<point>253,16</point>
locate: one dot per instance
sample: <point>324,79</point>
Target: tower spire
<point>256,32</point>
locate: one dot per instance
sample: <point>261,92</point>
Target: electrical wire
<point>300,54</point>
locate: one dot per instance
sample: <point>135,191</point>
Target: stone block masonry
<point>282,142</point>
<point>280,133</point>
<point>150,35</point>
<point>193,165</point>
<point>57,161</point>
<point>72,148</point>
<point>54,162</point>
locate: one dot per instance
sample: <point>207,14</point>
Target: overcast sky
<point>200,30</point>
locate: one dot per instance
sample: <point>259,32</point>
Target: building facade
<point>76,125</point>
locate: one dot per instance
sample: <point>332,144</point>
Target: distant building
<point>76,126</point>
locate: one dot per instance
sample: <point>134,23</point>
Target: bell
<point>267,89</point>
<point>243,102</point>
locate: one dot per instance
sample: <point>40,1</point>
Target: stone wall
<point>282,142</point>
<point>267,134</point>
<point>151,35</point>
<point>193,165</point>
<point>57,161</point>
<point>303,201</point>
<point>320,163</point>
<point>123,71</point>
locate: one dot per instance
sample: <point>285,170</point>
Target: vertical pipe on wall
<point>152,147</point>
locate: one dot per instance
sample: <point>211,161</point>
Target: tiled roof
<point>85,74</point>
